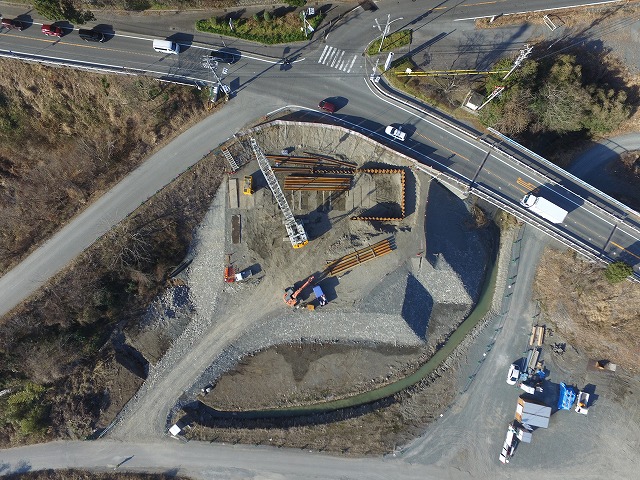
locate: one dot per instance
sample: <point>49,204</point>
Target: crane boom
<point>295,230</point>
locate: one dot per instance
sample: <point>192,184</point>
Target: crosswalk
<point>335,58</point>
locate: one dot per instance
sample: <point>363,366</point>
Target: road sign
<point>387,64</point>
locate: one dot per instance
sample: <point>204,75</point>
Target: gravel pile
<point>205,272</point>
<point>170,312</point>
<point>456,249</point>
<point>443,283</point>
<point>392,303</point>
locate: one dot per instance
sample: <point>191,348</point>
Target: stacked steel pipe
<point>315,173</point>
<point>317,183</point>
<point>387,171</point>
<point>336,267</point>
<point>311,165</point>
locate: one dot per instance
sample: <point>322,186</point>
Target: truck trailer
<point>544,208</point>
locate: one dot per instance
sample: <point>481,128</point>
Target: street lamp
<point>387,27</point>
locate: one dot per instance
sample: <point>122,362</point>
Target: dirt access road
<point>207,461</point>
<point>470,434</point>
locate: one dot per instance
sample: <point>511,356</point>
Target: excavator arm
<point>291,297</point>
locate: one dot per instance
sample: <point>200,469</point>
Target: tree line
<point>555,95</point>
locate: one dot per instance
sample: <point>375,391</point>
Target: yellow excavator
<point>247,187</point>
<point>291,297</point>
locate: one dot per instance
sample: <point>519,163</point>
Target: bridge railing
<point>535,157</point>
<point>554,167</point>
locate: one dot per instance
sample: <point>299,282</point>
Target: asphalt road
<point>263,85</point>
<point>471,433</point>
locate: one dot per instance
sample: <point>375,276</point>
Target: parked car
<point>52,30</point>
<point>395,133</point>
<point>223,57</point>
<point>513,375</point>
<point>327,106</point>
<point>91,35</point>
<point>10,24</point>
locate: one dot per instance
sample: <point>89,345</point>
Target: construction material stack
<point>295,230</point>
<point>358,257</point>
<point>229,271</point>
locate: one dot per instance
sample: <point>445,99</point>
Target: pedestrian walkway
<point>335,58</point>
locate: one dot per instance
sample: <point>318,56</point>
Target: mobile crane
<point>291,297</point>
<point>295,230</point>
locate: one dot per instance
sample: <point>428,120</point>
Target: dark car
<point>223,57</point>
<point>12,24</point>
<point>91,35</point>
<point>52,30</point>
<point>327,106</point>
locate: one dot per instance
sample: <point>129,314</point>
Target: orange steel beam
<point>360,256</point>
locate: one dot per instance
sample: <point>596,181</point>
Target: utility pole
<point>374,77</point>
<point>216,85</point>
<point>523,54</point>
<point>306,26</point>
<point>496,91</point>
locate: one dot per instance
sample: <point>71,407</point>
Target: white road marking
<point>327,48</point>
<point>335,58</point>
<point>352,62</point>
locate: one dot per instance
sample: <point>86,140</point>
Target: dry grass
<point>569,17</point>
<point>631,162</point>
<point>595,316</point>
<point>66,337</point>
<point>67,136</point>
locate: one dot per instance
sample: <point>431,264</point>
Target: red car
<point>327,106</point>
<point>52,31</point>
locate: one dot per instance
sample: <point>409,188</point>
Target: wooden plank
<point>540,335</point>
<point>233,193</point>
<point>236,229</point>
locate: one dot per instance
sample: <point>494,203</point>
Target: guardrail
<point>102,68</point>
<point>552,166</point>
<point>465,189</point>
<point>539,158</point>
<point>68,63</point>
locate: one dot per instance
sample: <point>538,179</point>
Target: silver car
<point>395,133</point>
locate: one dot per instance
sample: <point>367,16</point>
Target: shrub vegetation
<point>391,42</point>
<point>617,272</point>
<point>62,10</point>
<point>267,29</point>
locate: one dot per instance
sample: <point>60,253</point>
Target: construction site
<point>333,278</point>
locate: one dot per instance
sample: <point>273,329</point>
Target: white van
<point>166,46</point>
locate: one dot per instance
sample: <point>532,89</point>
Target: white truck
<point>544,208</point>
<point>582,405</point>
